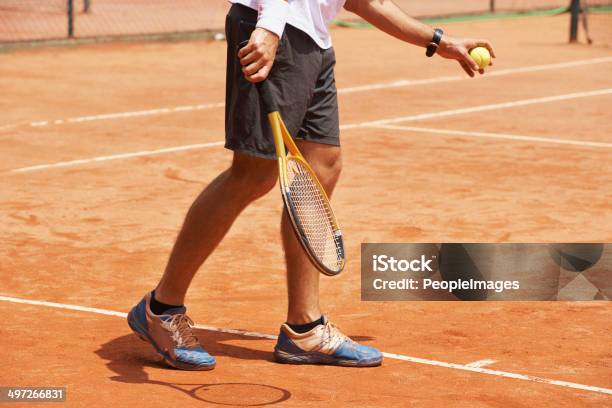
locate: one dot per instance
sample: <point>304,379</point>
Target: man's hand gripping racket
<point>305,199</point>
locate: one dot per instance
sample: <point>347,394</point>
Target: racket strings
<point>314,215</point>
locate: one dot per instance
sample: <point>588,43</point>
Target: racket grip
<point>267,98</point>
<point>263,88</point>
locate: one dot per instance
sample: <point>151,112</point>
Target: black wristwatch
<point>435,42</point>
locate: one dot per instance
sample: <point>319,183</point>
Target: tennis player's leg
<point>308,337</point>
<point>302,276</point>
<point>210,217</point>
<point>160,317</point>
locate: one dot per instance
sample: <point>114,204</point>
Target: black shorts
<point>302,79</point>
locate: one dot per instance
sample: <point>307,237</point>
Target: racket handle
<point>265,93</point>
<point>267,98</point>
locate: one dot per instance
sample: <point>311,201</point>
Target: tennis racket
<point>305,199</point>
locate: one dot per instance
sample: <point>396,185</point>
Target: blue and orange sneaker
<point>171,335</point>
<point>325,344</point>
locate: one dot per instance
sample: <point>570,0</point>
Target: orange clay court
<point>105,146</point>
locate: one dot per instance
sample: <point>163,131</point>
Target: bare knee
<point>328,166</point>
<point>332,165</point>
<point>254,176</point>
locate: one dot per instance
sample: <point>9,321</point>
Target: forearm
<point>388,17</point>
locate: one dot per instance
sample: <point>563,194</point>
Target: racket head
<point>311,215</point>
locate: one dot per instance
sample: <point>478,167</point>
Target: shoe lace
<point>333,337</point>
<point>180,327</point>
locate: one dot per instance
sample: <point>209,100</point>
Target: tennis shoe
<point>171,335</point>
<point>325,344</point>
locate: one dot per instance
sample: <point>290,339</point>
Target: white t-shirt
<point>309,16</point>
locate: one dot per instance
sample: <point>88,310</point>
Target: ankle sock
<point>303,328</point>
<point>160,308</point>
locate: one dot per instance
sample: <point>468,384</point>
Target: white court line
<point>500,373</point>
<point>423,116</point>
<point>451,78</point>
<point>496,136</point>
<point>393,356</point>
<point>481,108</point>
<point>10,126</point>
<point>347,90</point>
<point>481,363</point>
<point>142,153</point>
<point>122,115</point>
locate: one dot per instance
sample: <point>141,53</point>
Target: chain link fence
<point>43,21</point>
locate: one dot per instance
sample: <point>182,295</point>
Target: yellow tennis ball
<point>481,56</point>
